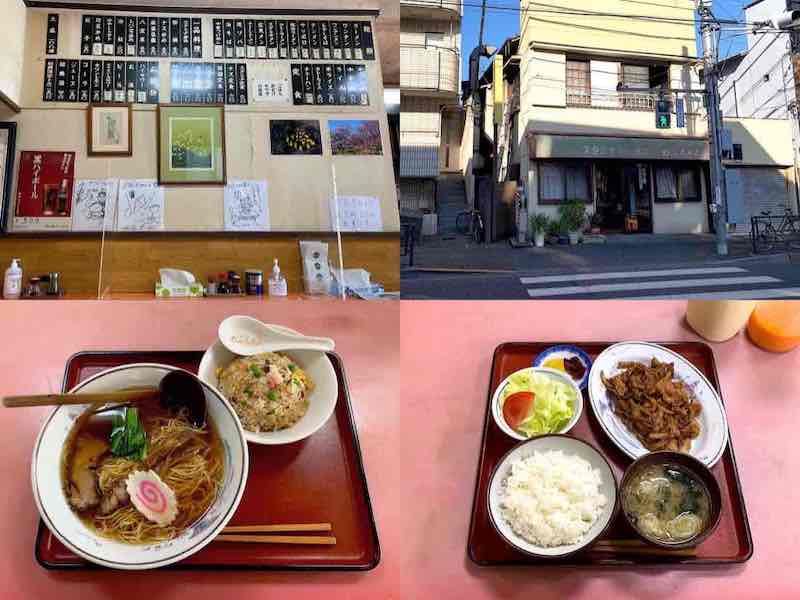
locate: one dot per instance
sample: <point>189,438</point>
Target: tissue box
<point>194,290</point>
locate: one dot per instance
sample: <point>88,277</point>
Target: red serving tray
<point>319,479</point>
<point>730,543</point>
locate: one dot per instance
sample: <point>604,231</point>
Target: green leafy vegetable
<point>272,395</point>
<point>554,405</point>
<point>292,367</point>
<point>255,371</point>
<point>128,437</point>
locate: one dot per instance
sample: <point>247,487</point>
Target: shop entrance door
<point>623,197</point>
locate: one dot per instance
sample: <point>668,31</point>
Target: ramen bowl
<point>75,534</point>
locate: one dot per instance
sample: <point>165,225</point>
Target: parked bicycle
<point>767,237</point>
<point>470,222</point>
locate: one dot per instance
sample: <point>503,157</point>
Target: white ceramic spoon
<point>246,336</point>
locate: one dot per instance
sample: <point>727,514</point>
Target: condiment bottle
<point>718,320</point>
<point>212,286</point>
<point>12,284</point>
<point>775,325</point>
<point>277,282</point>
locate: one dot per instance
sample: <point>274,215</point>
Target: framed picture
<point>355,137</point>
<point>295,137</point>
<point>191,144</point>
<point>110,128</point>
<point>8,136</point>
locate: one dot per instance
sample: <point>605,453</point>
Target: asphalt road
<point>745,279</point>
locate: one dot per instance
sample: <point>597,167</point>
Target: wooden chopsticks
<point>243,533</point>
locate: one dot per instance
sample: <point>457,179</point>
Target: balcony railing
<point>433,7</point>
<point>429,68</point>
<point>644,101</point>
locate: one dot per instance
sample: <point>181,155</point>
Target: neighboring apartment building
<point>757,90</point>
<point>431,121</point>
<point>588,88</point>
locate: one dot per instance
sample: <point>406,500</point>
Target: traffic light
<point>663,114</point>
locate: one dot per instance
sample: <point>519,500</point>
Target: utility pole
<point>477,107</point>
<point>709,28</point>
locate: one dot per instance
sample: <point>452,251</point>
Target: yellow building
<point>591,81</point>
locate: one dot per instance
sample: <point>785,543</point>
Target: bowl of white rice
<point>552,496</point>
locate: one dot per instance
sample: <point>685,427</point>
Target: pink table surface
<point>446,350</point>
<point>39,337</point>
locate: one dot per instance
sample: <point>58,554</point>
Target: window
<point>678,183</point>
<point>562,181</point>
<point>636,77</point>
<point>579,84</point>
<point>737,152</point>
<point>435,39</point>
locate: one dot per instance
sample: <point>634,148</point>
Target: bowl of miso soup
<point>671,499</point>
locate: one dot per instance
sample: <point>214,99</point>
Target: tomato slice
<point>517,407</point>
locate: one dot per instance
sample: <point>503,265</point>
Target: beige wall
<point>765,142</point>
<point>625,35</point>
<point>12,48</point>
<point>299,187</point>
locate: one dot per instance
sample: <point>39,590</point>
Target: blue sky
<point>502,24</point>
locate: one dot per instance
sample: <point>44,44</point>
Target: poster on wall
<point>357,213</point>
<point>140,205</point>
<point>355,137</point>
<point>44,190</point>
<point>246,206</point>
<point>94,206</point>
<point>295,137</point>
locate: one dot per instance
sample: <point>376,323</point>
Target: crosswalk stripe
<point>723,295</point>
<point>648,285</point>
<point>630,275</point>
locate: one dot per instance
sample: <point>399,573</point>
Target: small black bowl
<point>701,472</point>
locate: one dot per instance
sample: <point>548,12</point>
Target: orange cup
<point>775,325</point>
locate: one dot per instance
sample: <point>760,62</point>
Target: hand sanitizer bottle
<point>12,285</point>
<point>277,282</point>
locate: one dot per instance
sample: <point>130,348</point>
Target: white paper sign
<point>272,91</point>
<point>140,205</point>
<point>357,213</point>
<point>94,202</point>
<point>246,206</point>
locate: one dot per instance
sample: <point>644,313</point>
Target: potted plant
<point>539,226</point>
<point>573,217</point>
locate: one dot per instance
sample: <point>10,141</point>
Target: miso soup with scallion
<point>667,503</point>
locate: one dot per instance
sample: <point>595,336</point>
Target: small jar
<point>254,282</point>
<point>235,281</point>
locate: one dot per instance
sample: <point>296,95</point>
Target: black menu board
<point>241,83</point>
<point>97,81</point>
<point>85,82</point>
<point>297,85</point>
<point>308,85</point>
<point>261,39</point>
<point>154,83</point>
<point>302,34</point>
<point>219,83</point>
<point>186,38</point>
<point>142,49</point>
<point>130,81</point>
<point>347,41</point>
<point>130,36</point>
<point>294,40</point>
<point>341,84</point>
<point>325,39</point>
<point>61,80</point>
<point>108,36</point>
<point>358,51</point>
<point>367,42</point>
<point>238,37</point>
<point>87,23</point>
<point>119,81</point>
<point>230,83</point>
<point>219,40</point>
<point>49,93</point>
<point>283,40</point>
<point>153,37</point>
<point>229,38</point>
<point>329,83</point>
<point>119,36</point>
<point>250,38</point>
<point>197,37</point>
<point>73,79</point>
<point>336,40</point>
<point>142,79</point>
<point>97,36</point>
<point>320,96</point>
<point>313,39</point>
<point>108,81</point>
<point>51,39</point>
<point>272,39</point>
<point>175,37</point>
<point>163,37</point>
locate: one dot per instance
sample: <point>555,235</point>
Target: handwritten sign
<point>140,205</point>
<point>246,206</point>
<point>357,213</point>
<point>94,205</point>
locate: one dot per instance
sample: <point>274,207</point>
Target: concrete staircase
<point>451,199</point>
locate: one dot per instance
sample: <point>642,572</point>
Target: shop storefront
<point>628,184</point>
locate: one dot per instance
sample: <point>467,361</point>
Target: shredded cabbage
<point>553,405</point>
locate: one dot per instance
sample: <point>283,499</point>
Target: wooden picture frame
<point>190,141</point>
<point>8,140</point>
<point>109,137</point>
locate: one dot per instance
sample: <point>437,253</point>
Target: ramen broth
<point>189,460</point>
<point>667,503</point>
